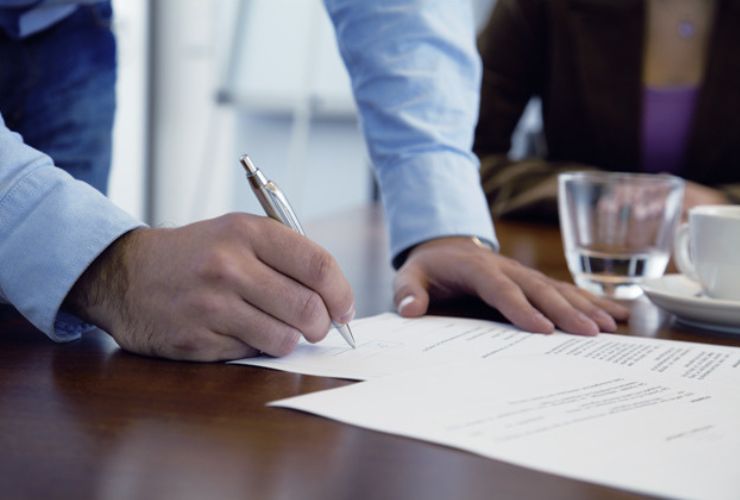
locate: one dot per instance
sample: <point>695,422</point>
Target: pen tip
<point>352,342</point>
<point>346,332</point>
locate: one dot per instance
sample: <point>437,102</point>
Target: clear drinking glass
<point>617,228</point>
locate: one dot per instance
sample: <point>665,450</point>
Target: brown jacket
<point>584,59</point>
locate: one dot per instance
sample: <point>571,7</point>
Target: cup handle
<point>681,252</point>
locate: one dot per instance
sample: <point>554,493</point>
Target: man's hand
<point>220,289</point>
<point>449,267</point>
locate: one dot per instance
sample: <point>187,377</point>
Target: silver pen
<point>277,207</point>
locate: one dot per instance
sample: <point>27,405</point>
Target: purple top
<point>667,115</point>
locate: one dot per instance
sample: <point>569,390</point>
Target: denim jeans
<point>57,89</point>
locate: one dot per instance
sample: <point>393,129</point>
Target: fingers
<point>229,348</point>
<point>208,347</point>
<point>604,320</point>
<point>306,262</point>
<point>237,319</point>
<point>410,291</point>
<point>227,329</point>
<point>499,291</point>
<point>226,288</point>
<point>262,331</point>
<point>614,309</point>
<point>199,344</point>
<point>529,299</point>
<point>286,300</point>
<point>573,310</point>
<point>567,308</point>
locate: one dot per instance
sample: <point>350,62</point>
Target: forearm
<point>415,75</point>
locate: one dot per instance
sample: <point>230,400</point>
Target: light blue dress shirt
<point>416,76</point>
<point>52,228</point>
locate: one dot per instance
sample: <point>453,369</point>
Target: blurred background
<point>201,82</point>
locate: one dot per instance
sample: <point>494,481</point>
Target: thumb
<point>410,293</point>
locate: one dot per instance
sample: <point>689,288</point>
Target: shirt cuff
<point>57,227</point>
<point>433,196</point>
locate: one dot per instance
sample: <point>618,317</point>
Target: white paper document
<point>643,428</point>
<point>389,344</point>
<point>648,415</point>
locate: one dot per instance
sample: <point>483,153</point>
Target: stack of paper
<point>653,416</point>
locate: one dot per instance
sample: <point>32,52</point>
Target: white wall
<point>192,136</point>
<point>317,156</point>
<point>128,171</point>
<point>289,106</point>
<point>297,117</point>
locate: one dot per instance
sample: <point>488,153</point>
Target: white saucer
<point>684,298</point>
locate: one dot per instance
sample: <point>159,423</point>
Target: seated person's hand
<point>698,194</point>
<point>449,267</point>
<point>220,289</point>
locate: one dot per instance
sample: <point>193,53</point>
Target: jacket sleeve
<point>732,191</point>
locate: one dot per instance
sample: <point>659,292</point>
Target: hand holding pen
<point>277,207</point>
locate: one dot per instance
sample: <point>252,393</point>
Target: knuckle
<point>565,287</point>
<point>479,260</point>
<point>512,263</point>
<point>218,265</point>
<point>237,226</point>
<point>311,310</point>
<point>211,262</point>
<point>501,282</point>
<point>572,295</point>
<point>285,344</point>
<point>317,331</point>
<point>234,222</point>
<point>549,294</point>
<point>549,286</point>
<point>539,275</point>
<point>206,306</point>
<point>585,306</point>
<point>511,291</point>
<point>521,272</point>
<point>321,268</point>
<point>185,346</point>
<point>319,334</point>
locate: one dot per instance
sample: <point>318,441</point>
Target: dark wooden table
<point>85,420</point>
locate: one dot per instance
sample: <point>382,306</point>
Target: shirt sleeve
<point>416,77</point>
<point>52,228</point>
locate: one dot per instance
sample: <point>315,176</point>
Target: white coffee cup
<point>707,249</point>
